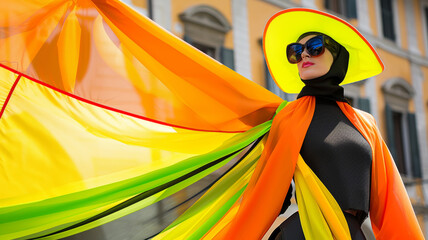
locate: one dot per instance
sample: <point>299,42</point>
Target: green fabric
<point>27,219</point>
<point>222,186</point>
<point>140,204</point>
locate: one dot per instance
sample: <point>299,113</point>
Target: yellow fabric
<point>111,105</point>
<point>240,178</point>
<point>106,52</point>
<point>320,215</point>
<point>216,230</point>
<point>68,56</point>
<point>286,26</point>
<point>52,144</point>
<point>110,147</point>
<point>7,78</point>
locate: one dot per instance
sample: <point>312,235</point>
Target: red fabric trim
<point>9,95</point>
<point>101,105</point>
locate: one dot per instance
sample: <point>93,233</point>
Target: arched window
<point>205,28</point>
<point>401,127</point>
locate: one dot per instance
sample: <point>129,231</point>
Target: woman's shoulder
<point>366,116</point>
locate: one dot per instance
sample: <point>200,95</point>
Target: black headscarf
<point>327,86</point>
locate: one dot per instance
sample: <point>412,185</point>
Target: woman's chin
<point>311,75</point>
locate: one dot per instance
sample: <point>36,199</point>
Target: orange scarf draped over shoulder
<point>391,212</point>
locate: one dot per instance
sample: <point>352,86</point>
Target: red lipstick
<point>307,64</point>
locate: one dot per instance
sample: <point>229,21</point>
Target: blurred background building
<point>231,31</point>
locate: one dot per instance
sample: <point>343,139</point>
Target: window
<point>205,28</point>
<point>397,125</point>
<point>387,14</point>
<point>353,95</point>
<point>426,21</point>
<point>347,8</point>
<point>271,85</point>
<point>401,127</point>
<point>210,51</point>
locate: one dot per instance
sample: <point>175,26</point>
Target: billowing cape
<point>104,113</point>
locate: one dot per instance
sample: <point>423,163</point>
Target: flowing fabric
<point>103,51</point>
<point>321,215</point>
<point>391,212</point>
<point>104,113</point>
<point>65,159</point>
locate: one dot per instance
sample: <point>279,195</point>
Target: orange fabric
<point>263,199</point>
<point>126,61</point>
<point>104,51</point>
<point>391,212</point>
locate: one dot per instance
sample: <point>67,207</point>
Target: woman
<point>192,126</point>
<point>335,150</point>
<point>332,175</point>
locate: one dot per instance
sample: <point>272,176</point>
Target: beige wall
<point>372,14</point>
<point>419,25</point>
<point>395,67</point>
<point>140,3</point>
<point>402,24</point>
<point>260,13</point>
<point>319,4</point>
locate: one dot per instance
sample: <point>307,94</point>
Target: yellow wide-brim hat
<point>286,26</point>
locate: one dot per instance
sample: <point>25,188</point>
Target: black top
<point>333,148</point>
<point>339,155</point>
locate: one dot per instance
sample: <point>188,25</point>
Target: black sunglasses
<point>314,46</point>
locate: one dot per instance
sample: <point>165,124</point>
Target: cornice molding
<point>393,48</point>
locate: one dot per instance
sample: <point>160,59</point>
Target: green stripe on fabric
<point>222,186</point>
<point>136,203</point>
<point>188,178</point>
<point>219,189</point>
<point>26,219</point>
<point>209,187</point>
<point>199,233</point>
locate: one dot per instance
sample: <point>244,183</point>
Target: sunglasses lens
<point>294,52</point>
<point>315,46</point>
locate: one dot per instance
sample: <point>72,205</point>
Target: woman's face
<point>313,67</point>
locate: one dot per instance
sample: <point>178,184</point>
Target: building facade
<point>230,31</point>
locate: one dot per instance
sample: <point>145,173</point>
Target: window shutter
<point>414,146</point>
<point>271,84</point>
<point>364,104</point>
<point>327,4</point>
<point>426,18</point>
<point>227,58</point>
<point>387,19</point>
<point>351,9</point>
<point>390,130</point>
